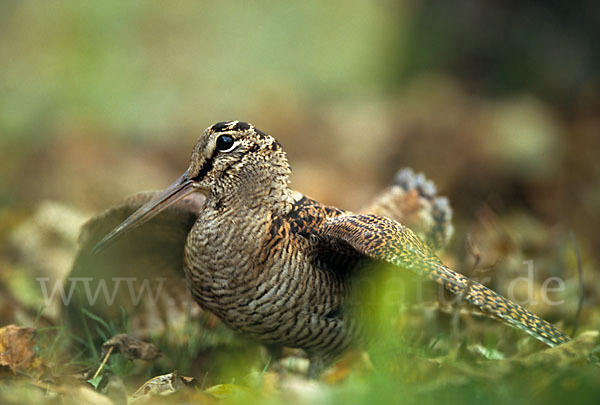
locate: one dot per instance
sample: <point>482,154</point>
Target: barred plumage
<point>387,240</point>
<point>278,266</point>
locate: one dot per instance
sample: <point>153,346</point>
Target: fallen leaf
<point>159,385</point>
<point>189,381</point>
<point>132,348</point>
<point>16,347</point>
<point>183,388</point>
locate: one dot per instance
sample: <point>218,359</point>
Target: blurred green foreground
<point>497,102</point>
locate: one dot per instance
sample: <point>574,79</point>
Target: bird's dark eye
<point>225,143</point>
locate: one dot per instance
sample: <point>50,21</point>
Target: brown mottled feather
<point>151,254</point>
<point>383,239</point>
<point>280,267</point>
<point>412,200</point>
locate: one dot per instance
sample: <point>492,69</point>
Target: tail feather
<point>384,239</point>
<point>412,200</point>
<point>494,304</point>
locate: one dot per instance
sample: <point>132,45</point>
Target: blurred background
<point>497,102</point>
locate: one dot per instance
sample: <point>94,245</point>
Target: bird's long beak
<point>173,193</point>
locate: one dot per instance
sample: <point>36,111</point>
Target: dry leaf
<point>189,381</point>
<point>184,388</point>
<point>132,348</point>
<point>16,347</point>
<point>159,385</point>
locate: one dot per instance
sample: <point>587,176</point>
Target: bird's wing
<point>179,218</point>
<point>413,200</point>
<point>143,273</point>
<point>383,239</point>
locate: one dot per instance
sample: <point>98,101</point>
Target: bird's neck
<point>261,188</point>
<point>252,200</point>
<point>231,230</point>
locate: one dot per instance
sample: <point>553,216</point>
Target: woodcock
<point>279,267</point>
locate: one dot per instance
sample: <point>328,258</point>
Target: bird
<point>280,267</point>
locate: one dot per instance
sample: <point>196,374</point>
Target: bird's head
<point>232,162</point>
<point>233,157</point>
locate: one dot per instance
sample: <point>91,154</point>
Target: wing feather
<point>383,239</point>
<point>148,261</point>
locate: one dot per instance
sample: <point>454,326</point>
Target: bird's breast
<point>257,280</point>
